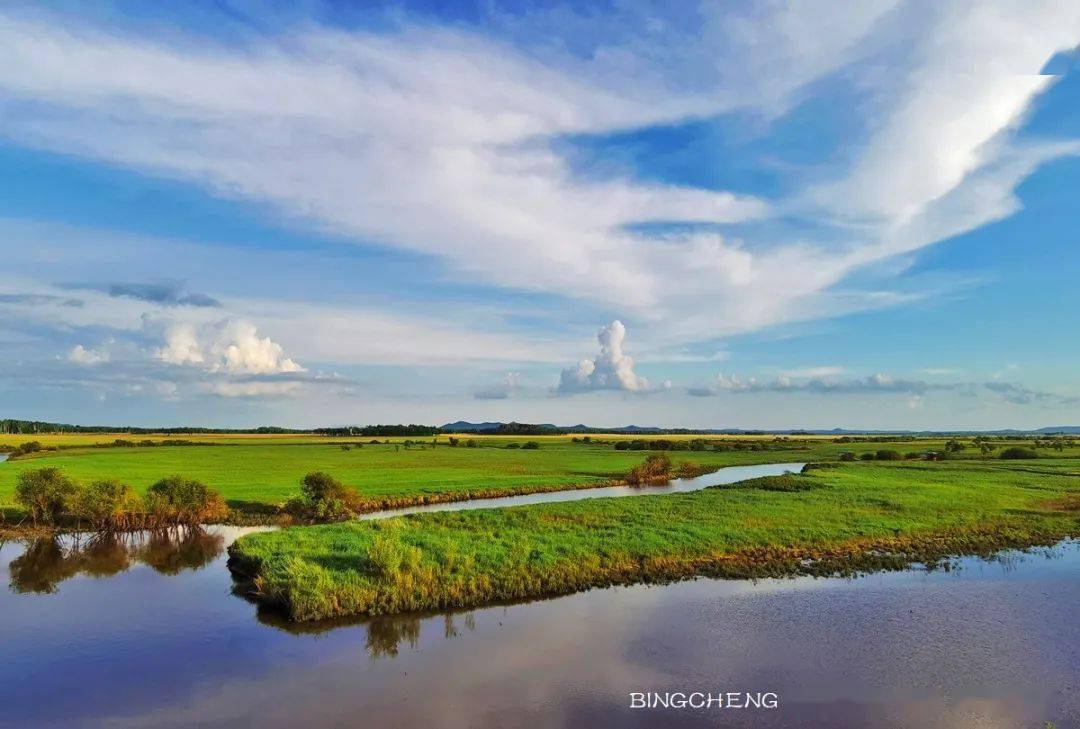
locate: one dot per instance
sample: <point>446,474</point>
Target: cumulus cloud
<point>611,369</point>
<point>163,293</point>
<point>81,355</point>
<point>231,346</point>
<point>501,390</point>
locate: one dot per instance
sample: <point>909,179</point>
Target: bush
<point>847,456</point>
<point>320,486</point>
<point>45,493</point>
<point>108,505</point>
<point>322,498</point>
<point>657,467</point>
<point>179,500</point>
<point>1016,452</point>
<point>31,446</point>
<point>622,445</point>
<point>532,445</point>
<point>868,456</point>
<point>888,455</point>
<point>513,445</point>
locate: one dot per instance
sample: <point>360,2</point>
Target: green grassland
<point>848,516</point>
<point>268,474</point>
<point>256,473</point>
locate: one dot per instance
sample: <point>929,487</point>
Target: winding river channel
<point>142,630</point>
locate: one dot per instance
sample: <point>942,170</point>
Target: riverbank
<point>849,518</point>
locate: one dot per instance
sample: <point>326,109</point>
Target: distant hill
<point>466,426</point>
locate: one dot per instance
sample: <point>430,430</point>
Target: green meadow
<point>256,473</point>
<point>844,517</point>
<point>267,474</point>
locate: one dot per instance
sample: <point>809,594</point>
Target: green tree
<point>45,493</point>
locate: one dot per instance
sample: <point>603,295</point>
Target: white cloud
<point>226,388</point>
<point>440,142</point>
<point>914,391</point>
<point>81,355</point>
<point>501,390</point>
<point>232,346</point>
<point>820,371</point>
<point>975,73</point>
<point>610,370</point>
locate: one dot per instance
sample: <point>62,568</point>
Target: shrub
<point>108,505</point>
<point>847,456</point>
<point>868,456</point>
<point>31,446</point>
<point>470,443</point>
<point>320,486</point>
<point>513,445</point>
<point>45,493</point>
<point>888,455</point>
<point>532,445</point>
<point>657,467</point>
<point>622,445</point>
<point>687,470</point>
<point>179,500</point>
<point>912,456</point>
<point>1017,452</point>
<point>322,498</point>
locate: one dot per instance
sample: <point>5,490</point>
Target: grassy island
<point>844,517</point>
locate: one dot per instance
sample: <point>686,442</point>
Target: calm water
<point>731,474</point>
<point>144,631</point>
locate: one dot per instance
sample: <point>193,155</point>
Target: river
<point>144,631</point>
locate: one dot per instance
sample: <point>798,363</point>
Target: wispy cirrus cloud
<point>443,142</point>
<point>882,384</point>
<point>164,293</point>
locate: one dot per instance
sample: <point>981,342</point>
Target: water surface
<point>729,474</point>
<point>143,630</point>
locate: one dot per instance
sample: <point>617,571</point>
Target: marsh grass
<point>853,517</point>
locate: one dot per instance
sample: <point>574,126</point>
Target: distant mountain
<point>466,426</point>
<point>1070,429</point>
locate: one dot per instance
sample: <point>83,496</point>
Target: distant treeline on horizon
<point>37,427</point>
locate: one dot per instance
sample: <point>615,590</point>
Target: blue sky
<point>722,215</point>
